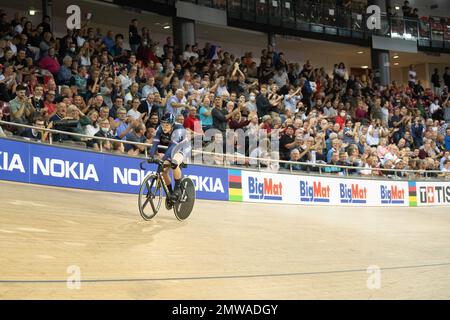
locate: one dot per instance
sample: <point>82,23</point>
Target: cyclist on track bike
<point>173,136</point>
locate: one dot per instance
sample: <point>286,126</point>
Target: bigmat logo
<point>352,193</point>
<point>434,194</point>
<point>392,195</point>
<point>317,192</point>
<point>265,190</point>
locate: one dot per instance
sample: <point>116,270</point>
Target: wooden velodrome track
<point>224,250</point>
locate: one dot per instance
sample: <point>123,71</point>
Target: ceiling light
<point>395,57</point>
<point>396,63</point>
<point>364,67</point>
<point>360,52</point>
<point>397,8</point>
<point>32,11</point>
<point>166,27</point>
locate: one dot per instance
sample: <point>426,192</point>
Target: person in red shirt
<point>341,118</point>
<point>361,111</point>
<point>236,122</point>
<point>50,62</point>
<point>266,124</point>
<point>192,123</point>
<point>49,105</point>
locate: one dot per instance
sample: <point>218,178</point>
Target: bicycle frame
<point>159,174</point>
<point>184,203</point>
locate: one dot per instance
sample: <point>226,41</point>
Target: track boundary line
<point>218,277</point>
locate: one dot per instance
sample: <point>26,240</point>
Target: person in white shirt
<point>329,111</point>
<point>124,79</point>
<point>187,54</point>
<point>411,76</point>
<point>385,112</point>
<point>434,106</point>
<point>2,133</point>
<point>373,134</point>
<point>93,128</point>
<point>446,167</point>
<point>292,98</point>
<point>149,87</point>
<point>133,112</point>
<point>281,78</point>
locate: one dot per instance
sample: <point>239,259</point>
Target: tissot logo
<point>434,194</point>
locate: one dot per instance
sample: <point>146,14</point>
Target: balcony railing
<point>326,18</point>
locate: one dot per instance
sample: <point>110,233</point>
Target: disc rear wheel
<point>183,207</point>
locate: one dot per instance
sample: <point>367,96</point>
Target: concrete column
<point>183,32</point>
<point>381,66</point>
<point>47,8</point>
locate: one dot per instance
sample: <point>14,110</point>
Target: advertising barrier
<point>295,189</point>
<point>57,166</point>
<point>431,193</point>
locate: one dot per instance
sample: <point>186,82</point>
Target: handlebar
<point>159,162</point>
<point>155,161</point>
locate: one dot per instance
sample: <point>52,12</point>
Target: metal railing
<point>328,19</point>
<point>259,161</point>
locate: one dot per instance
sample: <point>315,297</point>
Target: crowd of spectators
<point>90,83</point>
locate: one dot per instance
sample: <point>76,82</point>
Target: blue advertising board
<point>57,166</point>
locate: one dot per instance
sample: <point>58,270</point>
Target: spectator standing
<point>446,77</point>
<point>412,74</point>
<point>134,37</point>
<point>205,113</point>
<point>436,82</point>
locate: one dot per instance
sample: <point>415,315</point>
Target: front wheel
<point>150,196</point>
<point>183,207</point>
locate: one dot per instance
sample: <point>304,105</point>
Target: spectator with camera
<point>21,108</point>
